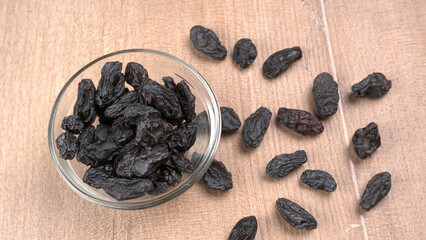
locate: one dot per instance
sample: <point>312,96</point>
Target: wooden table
<point>42,43</point>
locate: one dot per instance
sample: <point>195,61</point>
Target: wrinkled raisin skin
<point>295,215</point>
<point>206,41</point>
<point>73,124</point>
<point>218,177</point>
<point>318,179</point>
<point>326,95</point>
<point>186,101</point>
<point>300,121</point>
<point>281,165</point>
<point>280,61</point>
<point>377,188</point>
<point>366,140</point>
<point>111,85</point>
<point>136,75</point>
<point>244,229</point>
<point>375,85</point>
<point>244,52</point>
<point>255,127</point>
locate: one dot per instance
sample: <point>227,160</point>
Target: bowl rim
<point>215,133</point>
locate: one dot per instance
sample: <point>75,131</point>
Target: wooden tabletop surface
<point>42,43</point>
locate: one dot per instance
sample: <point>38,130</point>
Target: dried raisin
<point>326,95</point>
<point>255,127</point>
<point>73,124</point>
<point>117,108</point>
<point>206,41</point>
<point>186,101</point>
<point>230,120</point>
<point>377,188</point>
<point>281,165</point>
<point>366,140</point>
<point>300,121</point>
<point>85,106</point>
<point>280,61</point>
<point>374,85</point>
<point>111,84</point>
<point>244,229</point>
<point>244,52</point>
<point>136,75</point>
<point>67,145</point>
<point>318,179</point>
<point>295,215</point>
<point>218,177</point>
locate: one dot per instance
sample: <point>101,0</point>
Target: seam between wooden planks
<point>342,115</point>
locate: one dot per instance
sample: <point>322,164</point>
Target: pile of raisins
<point>139,145</point>
<point>326,99</point>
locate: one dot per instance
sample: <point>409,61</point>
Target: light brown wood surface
<point>42,43</point>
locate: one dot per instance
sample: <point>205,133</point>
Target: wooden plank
<point>383,36</point>
<point>42,43</point>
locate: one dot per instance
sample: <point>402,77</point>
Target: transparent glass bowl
<point>158,65</point>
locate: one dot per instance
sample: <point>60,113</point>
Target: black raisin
<point>186,101</point>
<point>366,140</point>
<point>300,121</point>
<point>135,111</point>
<point>163,99</point>
<point>318,179</point>
<point>244,229</point>
<point>152,131</point>
<point>374,85</point>
<point>282,165</point>
<point>206,41</point>
<point>125,189</point>
<point>97,176</point>
<point>98,152</point>
<point>136,75</point>
<point>230,120</point>
<point>120,133</point>
<point>295,215</point>
<point>143,162</point>
<point>101,132</point>
<point>255,127</point>
<point>170,175</point>
<point>72,123</point>
<point>244,52</point>
<point>159,188</point>
<point>280,61</point>
<point>85,106</point>
<point>218,177</point>
<point>169,83</point>
<point>117,108</point>
<point>326,95</point>
<point>377,188</point>
<point>67,145</point>
<point>181,163</point>
<point>183,137</point>
<point>111,84</point>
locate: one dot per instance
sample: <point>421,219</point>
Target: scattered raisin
<point>295,215</point>
<point>244,229</point>
<point>366,140</point>
<point>281,165</point>
<point>244,52</point>
<point>206,41</point>
<point>318,179</point>
<point>73,124</point>
<point>67,145</point>
<point>230,120</point>
<point>326,95</point>
<point>377,188</point>
<point>280,61</point>
<point>217,177</point>
<point>300,121</point>
<point>255,127</point>
<point>374,85</point>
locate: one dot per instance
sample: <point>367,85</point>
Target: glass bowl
<point>158,65</point>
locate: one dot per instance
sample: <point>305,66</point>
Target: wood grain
<point>42,43</point>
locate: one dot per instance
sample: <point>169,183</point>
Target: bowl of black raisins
<point>125,133</point>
